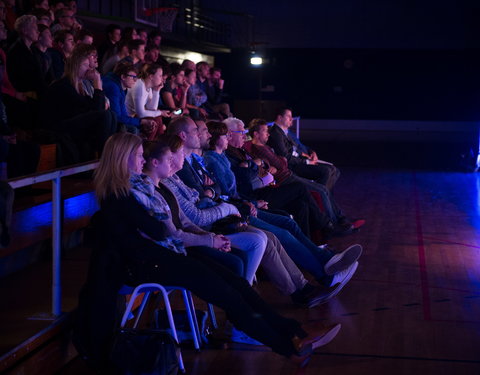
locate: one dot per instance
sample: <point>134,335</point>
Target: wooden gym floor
<point>413,307</point>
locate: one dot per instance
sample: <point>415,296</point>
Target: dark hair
<point>40,12</point>
<point>151,46</point>
<point>156,149</point>
<point>216,129</point>
<point>254,125</point>
<point>42,28</point>
<point>83,49</point>
<point>128,32</point>
<point>175,68</point>
<point>201,64</point>
<point>215,69</point>
<point>134,44</point>
<point>153,34</point>
<point>112,27</point>
<point>189,71</point>
<point>61,12</point>
<point>61,35</point>
<point>178,125</point>
<point>123,68</point>
<point>148,69</point>
<point>282,111</point>
<point>82,33</point>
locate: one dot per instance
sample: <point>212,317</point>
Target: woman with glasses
<point>115,85</point>
<point>142,99</point>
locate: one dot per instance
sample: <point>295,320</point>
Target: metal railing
<point>54,176</point>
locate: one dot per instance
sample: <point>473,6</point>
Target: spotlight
<point>256,60</point>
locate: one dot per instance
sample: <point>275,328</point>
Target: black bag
<point>144,352</point>
<point>229,224</point>
<point>182,326</point>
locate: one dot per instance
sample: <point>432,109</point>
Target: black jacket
<point>283,146</point>
<point>118,244</point>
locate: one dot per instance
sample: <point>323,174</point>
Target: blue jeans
<point>302,251</point>
<point>249,246</point>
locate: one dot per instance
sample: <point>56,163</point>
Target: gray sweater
<point>192,206</point>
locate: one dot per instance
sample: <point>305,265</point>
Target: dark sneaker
<point>343,260</point>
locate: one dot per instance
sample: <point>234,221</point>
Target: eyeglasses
<point>132,75</point>
<point>239,131</point>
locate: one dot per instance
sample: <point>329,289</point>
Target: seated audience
<point>255,182</point>
<point>195,96</point>
<point>174,93</point>
<point>258,131</point>
<point>108,47</point>
<point>63,45</point>
<point>143,35</point>
<point>65,20</point>
<point>136,53</point>
<point>155,38</point>
<point>128,237</point>
<point>214,90</point>
<point>39,48</point>
<point>68,110</point>
<point>151,53</point>
<point>84,36</point>
<point>129,33</point>
<point>277,265</point>
<point>18,156</point>
<point>142,99</point>
<point>248,246</point>
<point>10,15</point>
<point>188,64</point>
<point>319,262</point>
<point>24,73</point>
<point>115,85</point>
<point>122,52</point>
<point>44,17</point>
<point>325,174</point>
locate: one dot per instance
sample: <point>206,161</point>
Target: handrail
<point>54,176</point>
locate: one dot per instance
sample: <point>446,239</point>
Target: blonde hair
<point>80,53</point>
<point>112,175</point>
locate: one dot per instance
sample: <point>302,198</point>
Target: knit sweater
<point>201,212</point>
<point>145,192</point>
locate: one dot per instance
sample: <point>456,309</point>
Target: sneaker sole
<point>343,260</point>
<point>325,339</point>
<point>344,282</point>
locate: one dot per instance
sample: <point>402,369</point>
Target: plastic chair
<point>147,289</point>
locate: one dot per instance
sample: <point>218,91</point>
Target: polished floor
<point>413,307</point>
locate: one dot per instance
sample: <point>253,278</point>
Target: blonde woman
<point>68,109</point>
<point>129,234</point>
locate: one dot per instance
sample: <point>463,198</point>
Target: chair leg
<point>211,313</point>
<point>192,318</point>
<point>172,327</point>
<point>141,308</point>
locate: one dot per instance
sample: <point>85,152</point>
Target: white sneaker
<point>343,260</point>
<point>340,279</point>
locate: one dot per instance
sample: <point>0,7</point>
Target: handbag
<point>144,352</point>
<point>229,224</point>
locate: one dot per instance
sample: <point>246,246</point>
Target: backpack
<point>144,352</point>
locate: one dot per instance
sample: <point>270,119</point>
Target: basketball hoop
<point>166,17</point>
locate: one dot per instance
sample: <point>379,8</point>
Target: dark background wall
<point>358,59</point>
